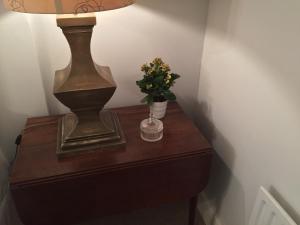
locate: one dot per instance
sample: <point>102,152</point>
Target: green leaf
<point>159,79</point>
<point>144,100</point>
<point>148,99</point>
<point>175,76</point>
<point>169,95</point>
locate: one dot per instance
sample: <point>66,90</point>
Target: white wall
<point>125,39</point>
<point>249,104</point>
<point>21,94</point>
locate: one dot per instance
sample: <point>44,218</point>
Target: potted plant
<point>156,83</point>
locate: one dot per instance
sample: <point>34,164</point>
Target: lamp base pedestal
<point>101,135</point>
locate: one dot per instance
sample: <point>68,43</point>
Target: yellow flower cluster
<point>157,81</point>
<point>168,78</point>
<point>145,68</point>
<point>165,67</point>
<point>158,61</point>
<point>157,64</point>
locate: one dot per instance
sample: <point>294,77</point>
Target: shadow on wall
<point>221,178</point>
<point>3,174</point>
<point>266,38</point>
<point>4,162</point>
<point>6,129</point>
<point>267,44</point>
<point>7,151</point>
<point>11,124</point>
<point>18,75</point>
<point>9,120</point>
<point>3,156</point>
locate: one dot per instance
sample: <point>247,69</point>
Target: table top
<point>37,162</point>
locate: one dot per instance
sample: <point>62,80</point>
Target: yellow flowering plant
<point>157,81</point>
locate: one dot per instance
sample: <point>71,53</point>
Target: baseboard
<point>206,209</point>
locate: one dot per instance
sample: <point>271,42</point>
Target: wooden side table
<point>49,191</point>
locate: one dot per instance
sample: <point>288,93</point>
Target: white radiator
<point>267,211</point>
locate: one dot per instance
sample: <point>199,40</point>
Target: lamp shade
<point>64,6</point>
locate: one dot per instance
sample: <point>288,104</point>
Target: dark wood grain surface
<point>48,190</point>
<point>37,161</point>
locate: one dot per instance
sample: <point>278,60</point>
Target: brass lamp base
<point>106,134</point>
<point>85,88</point>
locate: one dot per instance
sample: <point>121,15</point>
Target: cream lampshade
<point>83,86</point>
<point>64,6</point>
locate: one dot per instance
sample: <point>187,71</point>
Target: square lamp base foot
<point>112,138</point>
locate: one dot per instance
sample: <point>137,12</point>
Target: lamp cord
<point>17,142</point>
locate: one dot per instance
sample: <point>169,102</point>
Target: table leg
<point>193,210</point>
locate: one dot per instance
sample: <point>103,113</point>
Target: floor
<point>175,214</point>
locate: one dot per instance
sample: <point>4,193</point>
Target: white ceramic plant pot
<point>158,109</point>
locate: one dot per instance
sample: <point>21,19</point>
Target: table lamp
<point>83,86</point>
